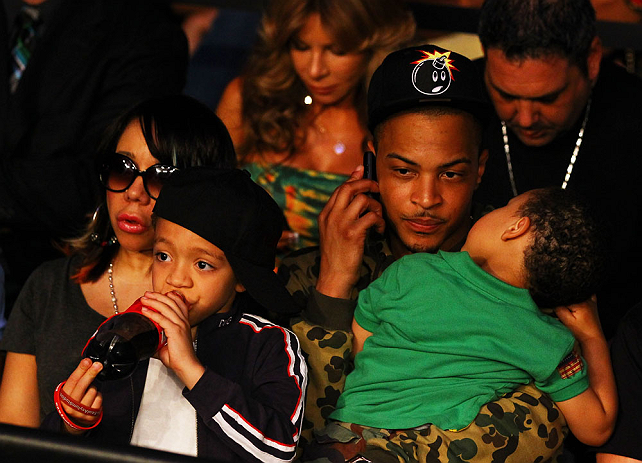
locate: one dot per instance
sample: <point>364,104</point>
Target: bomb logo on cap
<point>432,74</point>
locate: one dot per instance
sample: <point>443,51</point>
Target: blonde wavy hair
<point>273,94</point>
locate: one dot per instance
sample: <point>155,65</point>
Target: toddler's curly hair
<point>566,262</point>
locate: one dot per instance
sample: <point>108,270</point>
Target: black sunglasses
<point>118,172</point>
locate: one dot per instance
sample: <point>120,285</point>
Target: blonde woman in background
<point>297,113</point>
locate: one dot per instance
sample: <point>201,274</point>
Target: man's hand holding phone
<point>343,228</point>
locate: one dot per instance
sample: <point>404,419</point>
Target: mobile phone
<point>369,166</point>
<point>370,169</point>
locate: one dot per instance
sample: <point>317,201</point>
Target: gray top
<point>51,320</point>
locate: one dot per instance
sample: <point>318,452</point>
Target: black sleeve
<point>263,425</point>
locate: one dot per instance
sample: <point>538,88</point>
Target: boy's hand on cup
<point>581,319</point>
<point>172,314</point>
<point>79,387</point>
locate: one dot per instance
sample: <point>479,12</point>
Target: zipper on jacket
<point>195,344</point>
<point>131,428</point>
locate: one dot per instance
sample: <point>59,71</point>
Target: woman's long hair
<point>179,131</point>
<point>273,95</point>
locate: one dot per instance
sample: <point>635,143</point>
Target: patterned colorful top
<point>301,194</point>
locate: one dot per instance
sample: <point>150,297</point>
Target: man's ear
<point>517,229</point>
<point>594,60</point>
<point>481,167</point>
<point>370,145</point>
<point>239,287</point>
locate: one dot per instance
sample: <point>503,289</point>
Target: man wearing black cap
<point>426,108</point>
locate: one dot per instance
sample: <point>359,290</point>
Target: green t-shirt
<point>448,338</point>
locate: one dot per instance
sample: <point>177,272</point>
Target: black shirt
<point>607,173</point>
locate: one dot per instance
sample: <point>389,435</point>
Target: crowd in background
<point>101,92</point>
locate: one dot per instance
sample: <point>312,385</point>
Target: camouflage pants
<point>504,431</point>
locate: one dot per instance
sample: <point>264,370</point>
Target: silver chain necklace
<point>110,276</point>
<point>569,169</point>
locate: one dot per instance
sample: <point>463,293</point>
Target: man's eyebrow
<point>548,96</point>
<point>401,158</point>
<point>456,162</point>
<point>446,165</point>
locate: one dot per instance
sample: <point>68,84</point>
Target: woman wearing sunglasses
<point>109,266</point>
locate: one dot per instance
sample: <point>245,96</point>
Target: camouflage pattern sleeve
<point>300,272</point>
<point>328,353</point>
<point>323,329</point>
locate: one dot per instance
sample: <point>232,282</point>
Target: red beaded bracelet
<point>60,396</point>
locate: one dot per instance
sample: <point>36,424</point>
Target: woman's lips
<point>321,90</point>
<point>131,224</point>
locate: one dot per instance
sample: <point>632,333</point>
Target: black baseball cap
<point>228,209</point>
<point>425,75</point>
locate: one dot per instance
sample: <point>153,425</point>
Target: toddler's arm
<point>590,415</point>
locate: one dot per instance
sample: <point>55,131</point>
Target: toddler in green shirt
<point>439,335</point>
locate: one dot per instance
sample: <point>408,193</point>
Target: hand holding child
<point>172,314</point>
